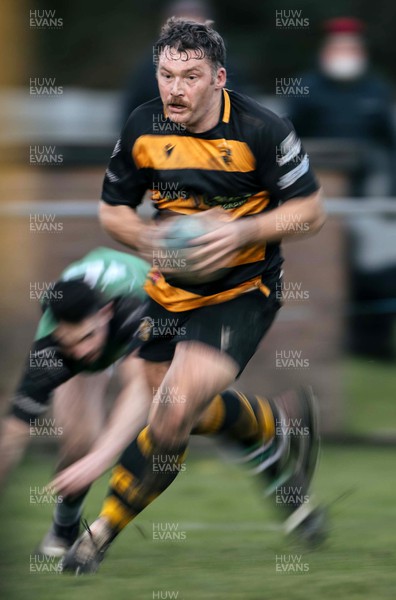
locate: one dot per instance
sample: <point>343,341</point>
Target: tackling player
<point>220,149</point>
<point>86,327</point>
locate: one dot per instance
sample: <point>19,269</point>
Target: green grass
<point>231,543</point>
<point>369,388</point>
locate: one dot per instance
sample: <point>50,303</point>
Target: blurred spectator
<point>347,101</point>
<point>142,84</point>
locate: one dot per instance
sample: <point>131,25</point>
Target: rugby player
<point>85,328</point>
<point>223,150</point>
<point>88,324</point>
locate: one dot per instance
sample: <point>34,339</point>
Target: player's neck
<point>211,117</point>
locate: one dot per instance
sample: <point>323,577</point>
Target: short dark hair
<point>74,300</point>
<point>182,35</point>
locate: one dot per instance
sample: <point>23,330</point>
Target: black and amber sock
<point>144,471</point>
<point>246,419</point>
<point>68,512</point>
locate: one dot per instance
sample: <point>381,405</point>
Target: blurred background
<point>71,72</point>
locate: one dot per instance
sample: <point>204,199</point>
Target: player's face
<point>85,341</point>
<point>189,88</point>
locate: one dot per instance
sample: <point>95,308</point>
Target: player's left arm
<point>295,218</point>
<point>283,170</point>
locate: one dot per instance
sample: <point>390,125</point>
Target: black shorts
<point>235,327</point>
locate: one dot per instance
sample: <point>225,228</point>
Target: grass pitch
<point>222,539</point>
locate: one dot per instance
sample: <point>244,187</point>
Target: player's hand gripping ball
<point>177,245</point>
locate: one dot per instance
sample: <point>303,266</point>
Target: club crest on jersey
<point>168,149</point>
<point>145,328</point>
<point>226,153</point>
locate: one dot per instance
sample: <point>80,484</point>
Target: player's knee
<point>171,431</point>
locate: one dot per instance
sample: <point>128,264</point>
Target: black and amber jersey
<point>249,163</point>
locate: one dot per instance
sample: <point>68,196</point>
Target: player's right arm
<point>124,187</point>
<point>45,370</point>
<point>123,224</point>
<point>124,423</point>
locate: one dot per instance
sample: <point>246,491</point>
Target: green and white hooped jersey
<point>119,277</point>
<point>114,274</point>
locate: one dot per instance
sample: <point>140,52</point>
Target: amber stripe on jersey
<point>176,299</point>
<point>168,152</point>
<point>254,204</point>
<point>249,254</point>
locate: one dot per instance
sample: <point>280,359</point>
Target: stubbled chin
<point>178,117</point>
<point>180,120</point>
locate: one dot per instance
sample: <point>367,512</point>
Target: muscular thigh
<point>155,373</point>
<point>197,373</point>
<point>234,328</point>
<point>209,347</point>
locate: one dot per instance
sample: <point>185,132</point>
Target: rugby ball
<point>177,246</point>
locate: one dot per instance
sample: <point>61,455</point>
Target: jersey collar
<point>226,106</point>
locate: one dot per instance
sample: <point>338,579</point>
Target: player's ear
<point>221,78</point>
<point>107,310</point>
